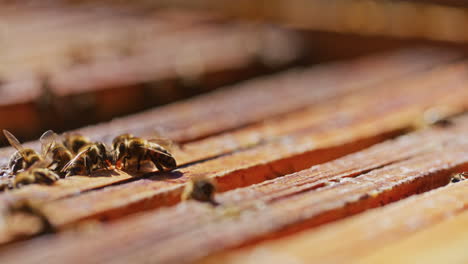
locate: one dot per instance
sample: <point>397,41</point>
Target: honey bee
<point>37,173</point>
<point>443,123</point>
<point>23,158</point>
<point>90,157</point>
<point>74,142</point>
<point>459,177</point>
<point>202,190</point>
<point>60,155</point>
<point>130,149</point>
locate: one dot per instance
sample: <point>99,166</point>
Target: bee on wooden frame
<point>23,158</point>
<point>74,142</point>
<point>459,177</point>
<point>37,173</point>
<point>59,154</point>
<point>90,157</point>
<point>200,189</point>
<point>131,150</point>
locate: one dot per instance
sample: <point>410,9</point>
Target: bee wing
<point>70,134</point>
<point>47,140</point>
<point>165,142</point>
<point>14,142</point>
<point>73,161</point>
<point>40,164</point>
<point>159,151</point>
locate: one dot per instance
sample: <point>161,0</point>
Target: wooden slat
<point>402,19</point>
<point>311,117</point>
<point>165,54</point>
<point>191,117</point>
<point>269,159</point>
<point>191,230</point>
<point>404,232</point>
<point>385,66</point>
<point>265,161</point>
<point>71,30</point>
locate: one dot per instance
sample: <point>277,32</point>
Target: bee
<point>443,123</point>
<point>23,158</point>
<point>37,173</point>
<point>60,155</point>
<point>90,157</point>
<point>202,190</point>
<point>74,142</point>
<point>130,149</point>
<point>459,177</point>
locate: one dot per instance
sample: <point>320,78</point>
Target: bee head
<point>111,158</point>
<point>32,157</point>
<point>101,149</point>
<point>169,162</point>
<point>120,150</point>
<point>203,190</point>
<point>28,152</point>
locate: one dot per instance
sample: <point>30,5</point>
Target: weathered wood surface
<point>232,107</point>
<point>384,173</point>
<point>317,139</point>
<point>400,19</point>
<point>424,228</point>
<point>353,106</point>
<point>299,150</point>
<point>192,119</point>
<point>108,62</point>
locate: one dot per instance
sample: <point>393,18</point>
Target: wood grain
<point>316,140</point>
<point>279,207</point>
<point>423,228</point>
<point>104,63</point>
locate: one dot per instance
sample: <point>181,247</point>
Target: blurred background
<point>68,64</point>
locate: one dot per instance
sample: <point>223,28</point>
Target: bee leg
<point>70,172</point>
<point>103,163</point>
<point>125,161</point>
<point>61,174</point>
<point>53,166</point>
<point>160,168</point>
<point>18,165</point>
<point>87,165</point>
<point>157,164</point>
<point>139,162</point>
